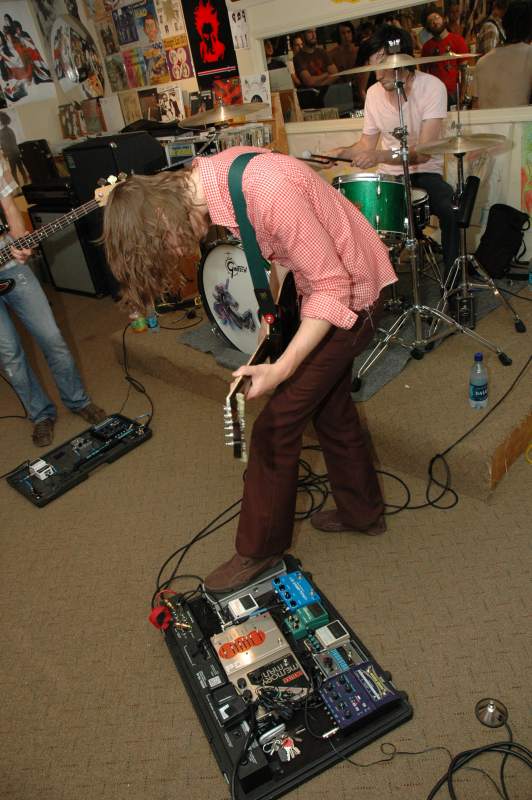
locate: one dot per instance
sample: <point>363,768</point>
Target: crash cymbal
<point>402,60</point>
<point>462,144</point>
<point>223,115</point>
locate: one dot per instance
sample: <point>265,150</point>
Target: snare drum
<point>381,198</point>
<point>228,297</point>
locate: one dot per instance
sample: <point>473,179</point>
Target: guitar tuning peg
<point>122,176</point>
<point>101,182</point>
<point>112,179</point>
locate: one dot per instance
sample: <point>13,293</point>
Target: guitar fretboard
<point>33,239</point>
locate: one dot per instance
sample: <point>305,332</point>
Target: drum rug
<point>386,367</point>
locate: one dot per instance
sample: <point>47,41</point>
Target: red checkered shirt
<point>339,263</point>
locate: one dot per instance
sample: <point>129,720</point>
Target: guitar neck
<point>32,239</point>
<point>261,354</point>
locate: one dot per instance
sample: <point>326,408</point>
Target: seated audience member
<point>503,77</point>
<point>491,33</point>
<point>424,111</point>
<point>29,303</point>
<point>271,61</point>
<point>442,42</point>
<point>296,44</point>
<point>406,18</point>
<point>344,55</point>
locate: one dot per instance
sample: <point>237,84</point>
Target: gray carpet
<point>209,340</point>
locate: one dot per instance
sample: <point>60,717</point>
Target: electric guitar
<point>278,335</point>
<point>32,239</point>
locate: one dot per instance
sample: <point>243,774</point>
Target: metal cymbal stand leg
<point>417,311</point>
<point>463,287</point>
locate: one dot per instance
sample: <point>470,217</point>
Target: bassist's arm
<point>17,228</point>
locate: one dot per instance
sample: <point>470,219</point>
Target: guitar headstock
<point>235,424</point>
<point>105,187</point>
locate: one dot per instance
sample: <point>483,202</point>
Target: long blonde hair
<point>147,228</point>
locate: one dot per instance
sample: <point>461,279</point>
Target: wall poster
<point>211,43</point>
<point>24,73</point>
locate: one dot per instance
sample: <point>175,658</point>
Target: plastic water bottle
<point>152,321</point>
<point>478,383</point>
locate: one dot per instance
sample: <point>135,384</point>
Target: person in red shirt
<point>442,42</point>
<point>340,267</point>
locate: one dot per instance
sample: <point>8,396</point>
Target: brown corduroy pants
<point>319,390</point>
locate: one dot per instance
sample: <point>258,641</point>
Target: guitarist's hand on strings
<point>23,254</point>
<point>263,378</point>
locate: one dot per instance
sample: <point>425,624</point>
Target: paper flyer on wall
<point>116,72</point>
<point>149,104</point>
<point>178,57</point>
<point>125,25</point>
<point>93,115</point>
<point>156,66</point>
<point>72,121</point>
<point>108,36</point>
<point>210,40</point>
<point>112,113</point>
<point>170,16</point>
<point>200,101</point>
<point>239,29</point>
<point>135,67</point>
<point>25,75</point>
<point>226,91</point>
<point>130,105</point>
<point>146,21</point>
<point>171,104</point>
<point>256,89</point>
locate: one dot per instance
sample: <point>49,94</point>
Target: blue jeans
<point>30,304</point>
<point>441,204</point>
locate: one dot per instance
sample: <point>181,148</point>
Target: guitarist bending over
<point>28,301</point>
<point>340,267</point>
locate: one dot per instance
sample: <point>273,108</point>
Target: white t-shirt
<point>503,77</point>
<point>427,99</point>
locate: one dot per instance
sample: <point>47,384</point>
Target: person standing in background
<point>28,301</point>
<point>491,33</point>
<point>443,42</point>
<point>344,55</point>
<point>8,143</point>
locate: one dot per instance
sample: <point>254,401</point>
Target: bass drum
<point>229,300</point>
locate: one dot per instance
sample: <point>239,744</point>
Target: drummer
<point>424,112</point>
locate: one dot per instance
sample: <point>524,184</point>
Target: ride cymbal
<point>223,115</point>
<point>402,60</point>
<point>461,144</point>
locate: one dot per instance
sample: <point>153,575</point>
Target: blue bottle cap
<point>478,357</point>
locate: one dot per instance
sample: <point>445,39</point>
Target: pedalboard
<point>283,692</point>
<point>64,467</point>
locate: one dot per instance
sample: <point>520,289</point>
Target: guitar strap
<point>256,262</point>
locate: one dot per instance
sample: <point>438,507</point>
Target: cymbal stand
<point>458,282</point>
<point>418,311</point>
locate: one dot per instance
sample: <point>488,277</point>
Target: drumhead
<point>229,300</point>
<point>370,177</point>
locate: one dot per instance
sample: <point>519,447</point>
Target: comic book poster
<point>156,66</point>
<point>24,73</point>
<point>210,40</point>
<point>201,101</point>
<point>108,36</point>
<point>125,25</point>
<point>146,21</point>
<point>171,104</point>
<point>178,57</point>
<point>170,16</point>
<point>93,115</point>
<point>116,72</point>
<point>149,104</point>
<point>130,105</point>
<point>135,67</point>
<point>226,91</point>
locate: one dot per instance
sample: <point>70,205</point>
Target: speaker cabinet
<point>88,161</point>
<point>39,161</point>
<point>73,262</point>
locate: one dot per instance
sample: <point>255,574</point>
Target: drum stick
<point>307,155</point>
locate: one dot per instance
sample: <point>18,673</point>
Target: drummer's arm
<point>364,158</point>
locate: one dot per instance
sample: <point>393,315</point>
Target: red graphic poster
<point>210,39</point>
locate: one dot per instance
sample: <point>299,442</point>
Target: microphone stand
<point>420,343</point>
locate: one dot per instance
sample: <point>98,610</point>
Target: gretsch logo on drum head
<point>232,267</point>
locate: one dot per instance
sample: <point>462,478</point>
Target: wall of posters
<point>24,72</point>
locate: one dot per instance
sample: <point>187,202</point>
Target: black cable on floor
<point>133,382</point>
<point>14,416</point>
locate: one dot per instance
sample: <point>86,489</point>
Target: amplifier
<point>58,192</point>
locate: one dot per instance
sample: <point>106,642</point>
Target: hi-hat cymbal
<point>402,60</point>
<point>223,115</point>
<point>461,144</point>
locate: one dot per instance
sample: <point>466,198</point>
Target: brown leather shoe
<point>43,432</point>
<point>237,572</point>
<point>330,522</point>
<point>92,413</point>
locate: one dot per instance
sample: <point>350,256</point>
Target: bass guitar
<point>279,332</point>
<point>33,239</point>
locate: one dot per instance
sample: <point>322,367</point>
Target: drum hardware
<point>459,287</point>
<point>418,311</point>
